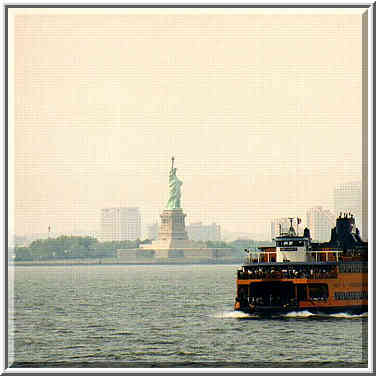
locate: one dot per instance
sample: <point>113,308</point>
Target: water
<point>164,316</point>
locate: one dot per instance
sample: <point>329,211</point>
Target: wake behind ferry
<point>300,275</point>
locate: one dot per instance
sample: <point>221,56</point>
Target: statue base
<point>172,225</point>
<point>173,243</point>
<point>172,233</point>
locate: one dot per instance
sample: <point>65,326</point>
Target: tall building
<point>153,231</point>
<point>199,232</point>
<point>279,225</point>
<point>320,222</point>
<point>119,224</point>
<point>348,198</point>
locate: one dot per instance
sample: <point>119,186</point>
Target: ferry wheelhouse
<point>300,275</point>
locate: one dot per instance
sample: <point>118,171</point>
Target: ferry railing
<point>257,257</point>
<point>329,255</point>
<point>287,274</point>
<point>315,256</point>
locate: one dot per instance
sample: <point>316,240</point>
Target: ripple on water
<point>120,314</point>
<point>232,315</point>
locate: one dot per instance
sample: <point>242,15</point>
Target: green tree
<point>22,254</point>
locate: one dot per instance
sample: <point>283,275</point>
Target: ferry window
<point>318,291</point>
<point>298,243</point>
<point>285,243</point>
<point>243,292</point>
<point>302,292</point>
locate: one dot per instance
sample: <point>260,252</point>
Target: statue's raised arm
<point>174,185</point>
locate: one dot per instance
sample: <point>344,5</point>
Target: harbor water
<point>163,316</point>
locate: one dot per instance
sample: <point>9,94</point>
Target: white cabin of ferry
<point>292,248</point>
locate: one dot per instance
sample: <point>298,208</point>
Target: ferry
<point>297,274</point>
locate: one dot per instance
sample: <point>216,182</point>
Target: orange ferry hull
<point>347,293</point>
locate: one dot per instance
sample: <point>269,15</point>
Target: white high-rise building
<point>320,223</point>
<point>348,198</point>
<point>199,232</point>
<point>153,231</point>
<point>279,226</point>
<point>119,224</point>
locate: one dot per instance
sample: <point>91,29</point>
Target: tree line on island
<point>74,247</point>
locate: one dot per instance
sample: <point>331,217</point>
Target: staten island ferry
<point>297,274</point>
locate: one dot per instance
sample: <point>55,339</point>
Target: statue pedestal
<point>172,234</point>
<point>173,225</point>
<point>173,243</point>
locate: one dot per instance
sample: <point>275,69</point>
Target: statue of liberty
<point>174,185</point>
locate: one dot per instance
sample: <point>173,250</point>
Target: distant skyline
<point>144,227</point>
<point>262,111</point>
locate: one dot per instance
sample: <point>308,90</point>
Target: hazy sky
<point>261,109</point>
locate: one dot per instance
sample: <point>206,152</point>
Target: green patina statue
<point>174,185</point>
